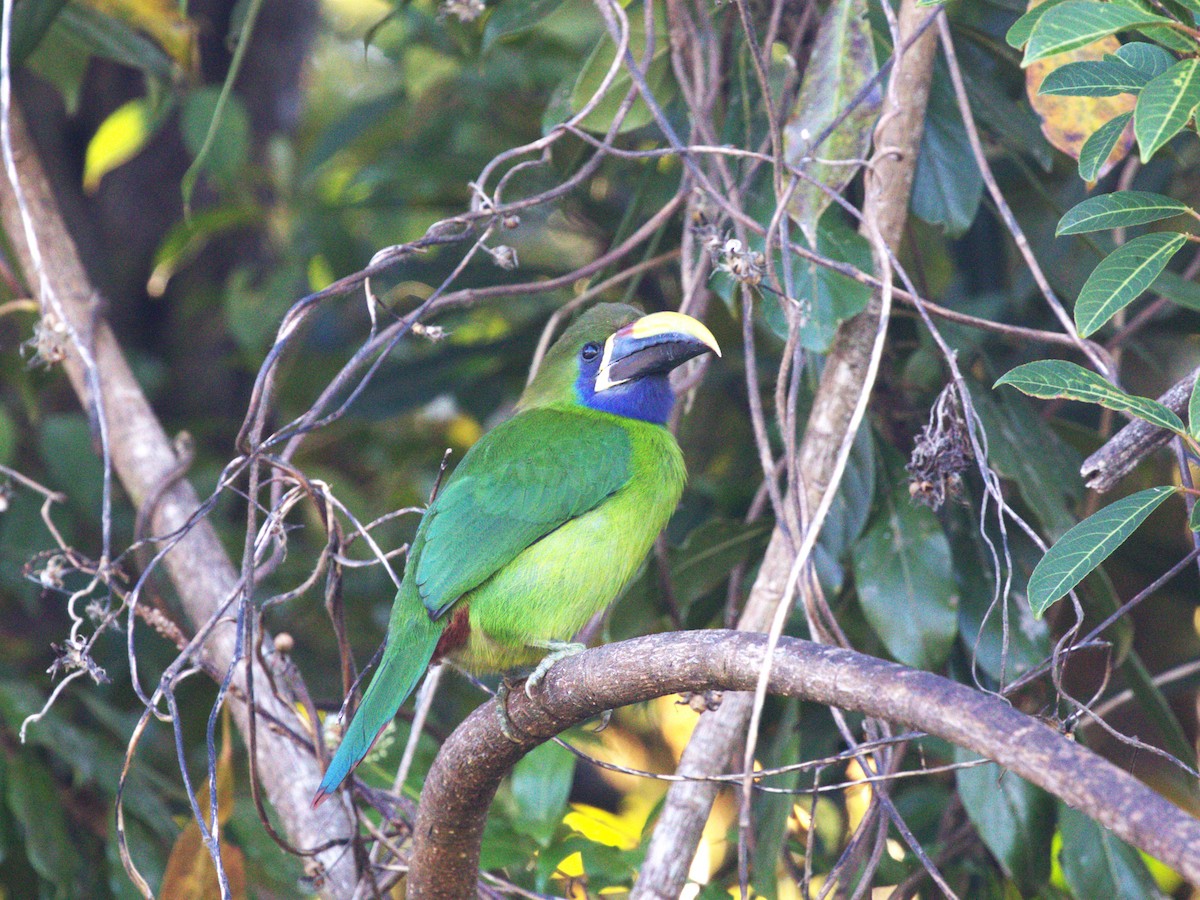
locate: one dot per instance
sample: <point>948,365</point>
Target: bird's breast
<point>551,590</point>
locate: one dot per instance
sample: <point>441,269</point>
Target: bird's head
<point>615,359</point>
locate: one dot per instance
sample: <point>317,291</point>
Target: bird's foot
<point>605,719</point>
<point>558,650</point>
<point>507,728</point>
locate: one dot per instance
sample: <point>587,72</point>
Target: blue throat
<point>649,398</point>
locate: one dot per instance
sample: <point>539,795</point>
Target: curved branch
<point>470,765</point>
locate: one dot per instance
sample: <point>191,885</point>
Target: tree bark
<point>143,459</point>
<point>471,763</point>
<point>719,735</point>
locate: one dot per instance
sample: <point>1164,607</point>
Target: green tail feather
<point>412,638</point>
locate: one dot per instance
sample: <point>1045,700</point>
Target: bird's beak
<point>653,345</point>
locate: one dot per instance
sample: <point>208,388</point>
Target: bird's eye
<point>590,351</point>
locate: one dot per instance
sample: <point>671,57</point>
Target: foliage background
<point>356,124</point>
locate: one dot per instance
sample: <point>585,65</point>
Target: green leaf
<point>1194,517</point>
<point>1050,378</point>
<point>1014,819</point>
<point>515,16</point>
<point>780,744</point>
<point>1012,122</point>
<point>833,297</point>
<point>1178,289</point>
<point>1194,410</point>
<point>62,62</point>
<point>605,865</point>
<point>541,783</point>
<point>1155,707</point>
<point>228,153</point>
<point>8,437</point>
<point>8,828</point>
<point>1003,645</point>
<point>1165,105</point>
<point>1163,35</point>
<point>1149,59</point>
<point>1026,450</point>
<point>34,801</point>
<point>1018,34</point>
<point>947,186</point>
<point>1099,146</point>
<point>840,65</point>
<point>30,22</point>
<point>1119,209</point>
<point>92,755</point>
<point>851,508</point>
<point>185,241</point>
<point>1088,544</point>
<point>906,583</point>
<point>1093,78</point>
<point>503,845</point>
<point>658,77</point>
<point>152,866</point>
<point>710,551</point>
<point>1078,23</point>
<point>68,451</point>
<point>112,39</point>
<point>1122,276</point>
<point>1096,863</point>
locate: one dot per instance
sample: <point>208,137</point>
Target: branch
<point>717,738</point>
<point>470,765</point>
<point>144,459</point>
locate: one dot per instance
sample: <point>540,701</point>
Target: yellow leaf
<point>119,139</point>
<point>162,20</point>
<point>677,721</point>
<point>571,866</point>
<point>1069,121</point>
<point>858,796</point>
<point>190,873</point>
<point>601,826</point>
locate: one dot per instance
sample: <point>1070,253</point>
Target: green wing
<point>521,481</point>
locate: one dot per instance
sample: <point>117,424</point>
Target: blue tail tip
<point>329,785</point>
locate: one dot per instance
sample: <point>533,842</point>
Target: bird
<point>546,519</point>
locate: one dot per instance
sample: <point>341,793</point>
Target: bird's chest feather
<point>555,586</point>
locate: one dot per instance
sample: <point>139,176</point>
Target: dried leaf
<point>1069,121</point>
<point>190,870</point>
<point>842,62</point>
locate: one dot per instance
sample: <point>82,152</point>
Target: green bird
<point>545,520</point>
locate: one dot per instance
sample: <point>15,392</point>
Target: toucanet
<point>547,517</point>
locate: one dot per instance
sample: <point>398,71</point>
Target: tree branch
<point>470,765</point>
<point>718,736</point>
<point>144,459</point>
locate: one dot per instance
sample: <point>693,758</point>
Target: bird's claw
<point>605,719</point>
<point>557,651</point>
<point>507,728</point>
